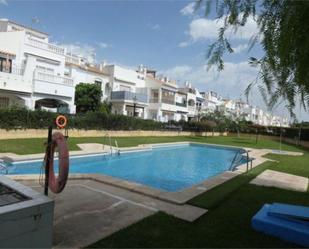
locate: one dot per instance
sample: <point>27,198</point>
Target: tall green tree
<point>284,35</point>
<point>87,97</point>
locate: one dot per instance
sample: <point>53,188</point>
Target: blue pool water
<point>166,168</point>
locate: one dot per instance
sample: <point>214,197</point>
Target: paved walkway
<point>87,211</point>
<point>271,178</point>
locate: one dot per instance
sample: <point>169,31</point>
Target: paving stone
<point>271,178</point>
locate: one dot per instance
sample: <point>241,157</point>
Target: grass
<point>227,225</point>
<point>36,145</point>
<point>231,205</point>
<point>228,221</point>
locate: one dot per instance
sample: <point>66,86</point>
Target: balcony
<point>53,85</point>
<point>169,101</point>
<point>51,78</point>
<point>13,70</point>
<point>45,46</point>
<point>154,100</point>
<point>181,104</point>
<point>72,60</point>
<point>128,96</point>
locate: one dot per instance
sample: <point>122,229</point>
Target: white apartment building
<point>40,75</point>
<point>128,91</point>
<point>162,94</point>
<point>32,70</point>
<point>211,101</point>
<point>81,71</point>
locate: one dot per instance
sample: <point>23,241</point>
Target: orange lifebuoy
<point>61,121</point>
<point>57,184</point>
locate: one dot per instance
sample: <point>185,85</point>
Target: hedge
<point>20,118</point>
<point>25,119</point>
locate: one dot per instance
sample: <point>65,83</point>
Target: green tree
<point>106,107</point>
<point>87,97</point>
<point>284,36</point>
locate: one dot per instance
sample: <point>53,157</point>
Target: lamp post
<point>134,105</point>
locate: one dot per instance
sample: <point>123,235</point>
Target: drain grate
<point>10,196</point>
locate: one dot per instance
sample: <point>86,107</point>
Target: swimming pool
<point>168,168</point>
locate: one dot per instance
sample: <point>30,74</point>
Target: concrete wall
<point>42,133</point>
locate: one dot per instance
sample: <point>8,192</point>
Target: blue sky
<point>163,35</point>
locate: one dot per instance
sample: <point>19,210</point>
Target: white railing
<point>53,78</point>
<point>14,70</point>
<point>191,108</point>
<point>45,45</point>
<point>72,60</point>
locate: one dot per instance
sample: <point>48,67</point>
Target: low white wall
<point>42,133</point>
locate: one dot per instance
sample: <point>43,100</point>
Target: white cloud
<point>231,82</point>
<point>103,45</point>
<point>4,2</point>
<point>201,29</point>
<point>188,10</point>
<point>183,44</point>
<point>84,50</point>
<point>240,48</point>
<point>177,72</point>
<point>155,26</point>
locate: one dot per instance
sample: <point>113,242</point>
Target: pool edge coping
<point>178,197</point>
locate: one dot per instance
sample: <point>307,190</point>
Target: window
<point>5,65</point>
<point>45,69</point>
<point>124,88</point>
<point>4,102</point>
<point>98,82</point>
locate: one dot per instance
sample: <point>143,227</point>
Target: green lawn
<point>231,207</point>
<point>36,145</point>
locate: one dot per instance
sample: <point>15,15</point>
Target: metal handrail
<point>116,145</point>
<point>239,152</point>
<point>110,143</point>
<point>4,167</point>
<point>232,163</point>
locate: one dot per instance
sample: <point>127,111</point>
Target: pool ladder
<point>235,162</point>
<point>3,167</point>
<point>108,139</point>
<point>116,145</point>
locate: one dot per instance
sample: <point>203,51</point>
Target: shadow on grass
<point>238,141</point>
<point>217,195</point>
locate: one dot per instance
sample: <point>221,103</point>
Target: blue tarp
<point>288,222</point>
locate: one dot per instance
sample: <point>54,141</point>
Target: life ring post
<point>61,121</point>
<point>47,161</point>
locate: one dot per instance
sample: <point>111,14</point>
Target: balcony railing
<point>181,104</point>
<point>45,45</point>
<point>154,100</point>
<point>13,70</point>
<point>71,60</point>
<point>53,78</point>
<point>191,108</point>
<point>168,101</point>
<point>126,95</point>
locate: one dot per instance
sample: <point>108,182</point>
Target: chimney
<point>102,65</point>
